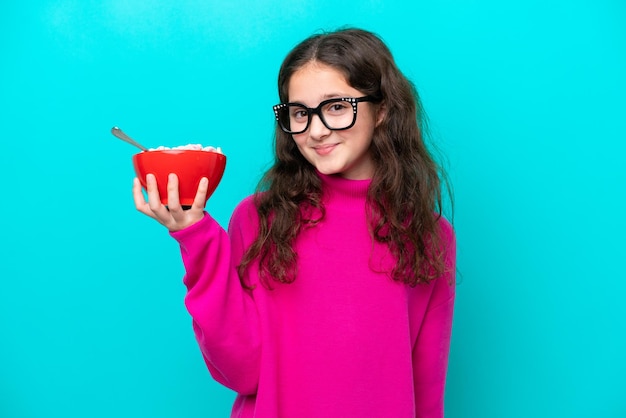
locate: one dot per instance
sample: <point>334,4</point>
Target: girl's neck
<point>335,186</point>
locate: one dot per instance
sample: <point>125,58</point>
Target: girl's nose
<point>317,129</point>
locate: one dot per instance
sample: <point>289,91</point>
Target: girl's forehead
<point>315,82</point>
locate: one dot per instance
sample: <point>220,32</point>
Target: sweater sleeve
<point>431,349</point>
<point>224,314</point>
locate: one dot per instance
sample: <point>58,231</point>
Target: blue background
<point>526,99</point>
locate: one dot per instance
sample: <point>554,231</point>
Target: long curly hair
<point>404,200</point>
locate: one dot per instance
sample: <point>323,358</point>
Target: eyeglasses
<point>336,114</point>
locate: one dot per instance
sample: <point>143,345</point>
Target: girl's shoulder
<point>447,239</point>
<point>246,204</point>
<point>245,214</point>
<point>446,230</point>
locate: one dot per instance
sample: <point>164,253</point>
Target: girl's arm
<point>430,360</point>
<point>430,353</point>
<point>225,319</point>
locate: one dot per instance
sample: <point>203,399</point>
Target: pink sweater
<point>343,340</point>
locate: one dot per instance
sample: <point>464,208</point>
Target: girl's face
<point>347,152</point>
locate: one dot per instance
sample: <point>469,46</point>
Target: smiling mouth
<point>324,149</point>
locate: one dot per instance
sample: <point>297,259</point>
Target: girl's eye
<point>337,107</point>
<point>299,113</point>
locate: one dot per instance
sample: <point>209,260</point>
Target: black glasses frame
<point>318,111</point>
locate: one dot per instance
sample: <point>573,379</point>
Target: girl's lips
<point>324,149</point>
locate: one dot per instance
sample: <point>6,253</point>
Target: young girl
<point>332,293</point>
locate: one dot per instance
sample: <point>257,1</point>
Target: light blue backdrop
<point>526,98</point>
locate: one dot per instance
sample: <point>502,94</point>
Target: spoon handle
<point>121,135</point>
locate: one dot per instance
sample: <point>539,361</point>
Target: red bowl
<point>189,165</point>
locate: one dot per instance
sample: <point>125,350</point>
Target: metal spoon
<point>121,135</point>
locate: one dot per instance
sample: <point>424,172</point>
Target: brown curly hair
<point>404,198</point>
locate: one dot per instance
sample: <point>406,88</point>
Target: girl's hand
<point>173,217</point>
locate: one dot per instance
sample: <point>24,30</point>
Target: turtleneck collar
<point>339,187</point>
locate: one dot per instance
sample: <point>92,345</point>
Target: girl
<point>332,293</point>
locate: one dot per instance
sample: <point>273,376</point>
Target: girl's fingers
<point>173,202</point>
<point>140,202</point>
<point>184,218</point>
<point>154,200</point>
<point>173,199</point>
<point>200,199</point>
<point>172,217</point>
<point>159,211</point>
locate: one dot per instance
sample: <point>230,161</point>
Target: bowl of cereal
<point>189,162</point>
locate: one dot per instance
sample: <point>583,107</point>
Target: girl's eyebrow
<point>325,97</point>
<point>333,96</point>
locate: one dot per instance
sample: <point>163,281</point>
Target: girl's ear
<point>381,113</point>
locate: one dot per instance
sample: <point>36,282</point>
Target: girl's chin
<point>329,171</point>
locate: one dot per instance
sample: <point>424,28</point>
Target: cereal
<point>194,147</point>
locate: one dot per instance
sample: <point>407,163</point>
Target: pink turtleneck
<point>342,341</point>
